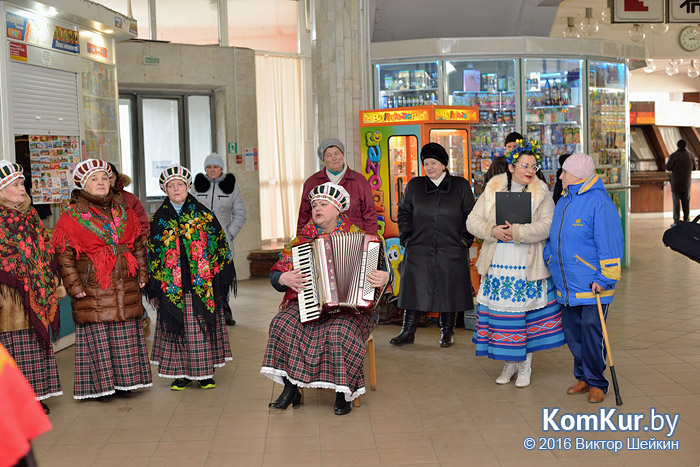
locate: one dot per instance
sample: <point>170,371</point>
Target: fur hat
<point>579,165</point>
<point>328,143</point>
<point>175,172</point>
<point>85,169</point>
<point>434,151</point>
<point>336,194</point>
<point>9,172</point>
<point>214,159</point>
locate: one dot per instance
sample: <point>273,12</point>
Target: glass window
<point>161,140</point>
<point>125,135</point>
<point>139,10</point>
<point>403,166</point>
<point>190,22</point>
<point>264,25</point>
<point>200,131</point>
<point>407,84</point>
<point>455,141</point>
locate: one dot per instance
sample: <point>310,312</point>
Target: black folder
<point>515,208</point>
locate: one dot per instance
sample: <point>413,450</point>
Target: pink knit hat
<point>579,165</point>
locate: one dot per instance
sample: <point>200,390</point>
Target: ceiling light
<point>109,31</point>
<point>675,62</point>
<point>671,70</point>
<point>693,72</point>
<point>651,66</point>
<point>589,25</point>
<point>52,11</point>
<point>659,28</point>
<point>570,31</point>
<point>637,33</point>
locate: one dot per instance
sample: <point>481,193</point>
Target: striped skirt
<point>510,336</point>
<point>191,355</point>
<point>35,360</point>
<point>110,356</point>
<point>328,353</point>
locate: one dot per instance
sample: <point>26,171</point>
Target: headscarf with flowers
<point>525,146</point>
<point>308,233</point>
<point>193,236</point>
<point>96,226</point>
<point>29,266</point>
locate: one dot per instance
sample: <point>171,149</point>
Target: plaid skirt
<point>35,360</point>
<point>320,354</point>
<point>110,356</point>
<point>191,355</point>
<point>510,336</point>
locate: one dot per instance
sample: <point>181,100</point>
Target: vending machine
<point>391,140</point>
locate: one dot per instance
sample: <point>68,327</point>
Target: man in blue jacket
<point>584,255</point>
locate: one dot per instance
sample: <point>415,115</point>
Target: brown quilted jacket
<point>120,302</point>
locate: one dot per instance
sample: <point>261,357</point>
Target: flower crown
<point>529,146</point>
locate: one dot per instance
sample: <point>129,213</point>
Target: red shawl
<point>87,230</point>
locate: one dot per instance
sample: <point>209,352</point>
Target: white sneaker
<point>508,371</point>
<point>524,372</point>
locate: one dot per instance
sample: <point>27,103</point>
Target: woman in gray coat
<point>221,194</point>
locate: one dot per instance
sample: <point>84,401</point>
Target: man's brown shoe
<point>596,395</point>
<point>578,388</point>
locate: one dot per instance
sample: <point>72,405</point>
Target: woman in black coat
<point>432,226</point>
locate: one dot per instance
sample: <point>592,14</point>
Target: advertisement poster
<point>37,30</point>
<point>52,159</point>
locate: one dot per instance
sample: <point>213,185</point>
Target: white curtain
<point>279,87</point>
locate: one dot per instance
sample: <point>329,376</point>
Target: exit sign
<point>232,148</point>
<point>151,60</point>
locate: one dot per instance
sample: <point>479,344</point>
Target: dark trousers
<point>584,336</point>
<point>678,200</point>
<point>228,314</point>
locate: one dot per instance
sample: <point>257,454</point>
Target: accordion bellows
<point>337,266</point>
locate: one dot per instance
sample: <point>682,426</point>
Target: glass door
<point>607,122</point>
<point>456,142</point>
<point>127,107</point>
<point>554,108</point>
<point>403,166</point>
<point>407,84</point>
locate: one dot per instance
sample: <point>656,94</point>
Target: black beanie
<point>681,144</point>
<point>434,151</point>
<point>115,172</point>
<point>513,137</point>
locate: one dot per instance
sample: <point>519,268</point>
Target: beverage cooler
<point>569,94</point>
<point>391,141</point>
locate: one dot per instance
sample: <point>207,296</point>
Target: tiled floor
<point>433,406</point>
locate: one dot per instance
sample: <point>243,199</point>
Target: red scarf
<point>100,248</point>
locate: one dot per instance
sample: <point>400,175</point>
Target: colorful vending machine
<point>391,140</point>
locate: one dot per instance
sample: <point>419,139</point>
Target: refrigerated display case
<point>491,86</point>
<point>607,121</point>
<point>408,84</point>
<point>554,108</point>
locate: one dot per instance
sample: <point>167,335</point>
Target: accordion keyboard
<point>309,306</point>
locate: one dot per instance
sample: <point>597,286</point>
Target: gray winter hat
<point>214,159</point>
<point>327,143</point>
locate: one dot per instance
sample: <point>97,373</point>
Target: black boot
<point>408,330</point>
<point>341,406</point>
<point>447,328</point>
<point>290,395</point>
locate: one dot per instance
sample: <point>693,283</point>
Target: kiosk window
<point>403,166</point>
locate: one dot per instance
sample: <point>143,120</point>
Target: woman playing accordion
<point>327,353</point>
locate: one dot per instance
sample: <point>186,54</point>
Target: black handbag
<point>684,237</point>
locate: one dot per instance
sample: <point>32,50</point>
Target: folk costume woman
<point>327,353</point>
<point>191,273</point>
<point>103,264</point>
<point>517,310</point>
<point>29,312</point>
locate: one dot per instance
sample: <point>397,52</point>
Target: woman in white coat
<point>517,308</point>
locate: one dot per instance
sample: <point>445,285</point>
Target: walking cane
<point>618,399</point>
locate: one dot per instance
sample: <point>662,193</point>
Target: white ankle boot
<point>524,371</point>
<point>509,370</point>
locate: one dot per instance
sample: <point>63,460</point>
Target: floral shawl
<point>28,265</point>
<point>88,229</point>
<point>195,237</point>
<point>308,233</point>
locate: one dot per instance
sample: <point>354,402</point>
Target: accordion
<point>336,266</point>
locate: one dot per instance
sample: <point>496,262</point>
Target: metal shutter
<point>44,100</point>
